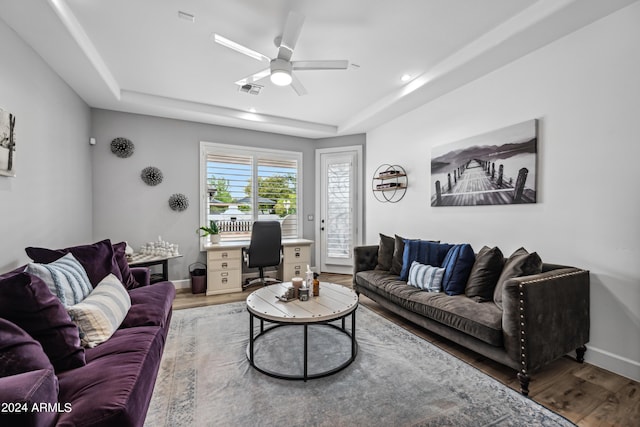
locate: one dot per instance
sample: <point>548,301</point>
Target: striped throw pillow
<point>425,277</point>
<point>65,277</point>
<point>102,312</point>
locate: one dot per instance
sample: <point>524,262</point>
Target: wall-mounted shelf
<point>389,183</point>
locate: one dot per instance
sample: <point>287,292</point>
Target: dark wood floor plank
<point>621,409</point>
<point>601,377</point>
<point>573,397</point>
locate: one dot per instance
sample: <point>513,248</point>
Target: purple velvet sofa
<point>47,378</point>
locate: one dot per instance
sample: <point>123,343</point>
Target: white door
<point>340,209</point>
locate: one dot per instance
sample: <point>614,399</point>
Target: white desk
<point>224,263</point>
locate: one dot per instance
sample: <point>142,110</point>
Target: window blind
<point>252,186</point>
<point>339,210</point>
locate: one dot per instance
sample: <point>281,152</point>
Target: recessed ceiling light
<point>186,16</point>
<point>405,77</point>
<point>252,110</point>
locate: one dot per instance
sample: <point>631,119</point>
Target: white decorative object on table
<point>160,248</point>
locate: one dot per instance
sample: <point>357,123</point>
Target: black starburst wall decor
<point>178,202</point>
<point>122,147</point>
<point>151,175</point>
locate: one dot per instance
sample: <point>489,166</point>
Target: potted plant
<point>212,231</point>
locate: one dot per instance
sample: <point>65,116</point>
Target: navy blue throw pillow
<point>423,251</point>
<point>457,268</point>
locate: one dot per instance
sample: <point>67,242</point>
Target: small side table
<point>142,260</point>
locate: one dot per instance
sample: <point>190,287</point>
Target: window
<point>241,185</point>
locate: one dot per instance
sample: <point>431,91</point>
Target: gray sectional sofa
<point>540,317</point>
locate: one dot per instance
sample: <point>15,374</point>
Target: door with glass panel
<point>339,211</point>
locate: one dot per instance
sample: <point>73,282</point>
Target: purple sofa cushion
<point>150,305</point>
<point>19,352</point>
<point>120,258</point>
<point>115,387</point>
<point>32,388</point>
<point>97,259</point>
<point>27,301</point>
<point>142,275</point>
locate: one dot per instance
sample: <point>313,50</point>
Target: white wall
<point>585,91</point>
<point>127,209</point>
<point>48,203</point>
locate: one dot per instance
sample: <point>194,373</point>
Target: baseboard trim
<point>182,284</point>
<point>613,362</point>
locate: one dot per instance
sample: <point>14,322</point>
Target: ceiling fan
<point>281,67</point>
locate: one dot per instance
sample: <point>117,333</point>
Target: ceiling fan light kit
<point>281,72</point>
<point>281,67</point>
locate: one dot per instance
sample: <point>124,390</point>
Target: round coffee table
<point>334,303</point>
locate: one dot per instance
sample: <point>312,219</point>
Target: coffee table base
<point>305,375</point>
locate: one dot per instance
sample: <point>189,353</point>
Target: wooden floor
<point>583,393</point>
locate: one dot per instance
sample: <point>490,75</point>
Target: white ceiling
<point>138,56</point>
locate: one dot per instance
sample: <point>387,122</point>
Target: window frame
<point>255,153</point>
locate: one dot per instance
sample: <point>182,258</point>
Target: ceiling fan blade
<point>254,77</point>
<point>321,65</point>
<point>297,86</point>
<point>239,48</point>
<point>290,34</point>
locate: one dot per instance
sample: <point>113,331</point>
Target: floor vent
<point>250,88</point>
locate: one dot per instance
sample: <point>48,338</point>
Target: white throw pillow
<point>65,277</point>
<point>102,312</point>
<point>425,277</point>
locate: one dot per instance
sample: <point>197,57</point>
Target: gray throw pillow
<point>520,263</point>
<point>398,252</point>
<point>485,274</point>
<point>385,252</point>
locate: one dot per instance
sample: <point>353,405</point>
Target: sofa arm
<point>364,258</point>
<point>29,398</point>
<point>545,316</point>
<point>142,275</point>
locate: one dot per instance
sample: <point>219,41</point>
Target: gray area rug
<point>397,379</point>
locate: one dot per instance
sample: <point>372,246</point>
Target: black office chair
<point>265,250</point>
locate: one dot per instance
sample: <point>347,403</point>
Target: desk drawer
<point>291,270</point>
<point>224,264</point>
<point>297,254</point>
<point>226,254</point>
<point>220,280</point>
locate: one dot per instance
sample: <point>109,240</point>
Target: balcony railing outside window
<point>244,185</point>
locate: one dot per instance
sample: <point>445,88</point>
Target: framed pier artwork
<point>495,168</point>
<point>7,143</point>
